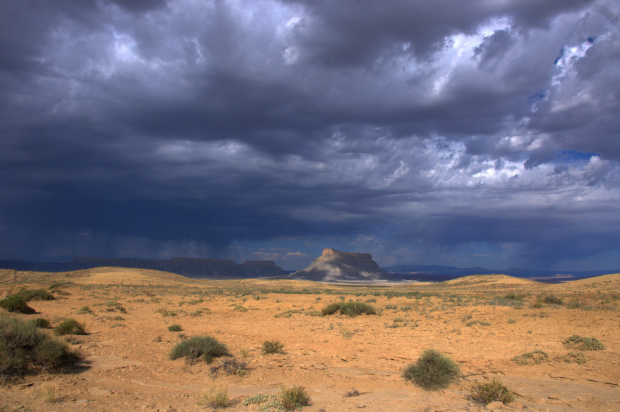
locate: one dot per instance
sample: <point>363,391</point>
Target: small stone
<point>495,405</point>
<point>554,396</point>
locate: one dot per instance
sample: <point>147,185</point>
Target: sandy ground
<point>126,351</point>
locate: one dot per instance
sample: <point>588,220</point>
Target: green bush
<point>488,392</point>
<point>432,371</point>
<point>514,296</point>
<point>272,346</point>
<point>16,304</point>
<point>349,308</point>
<point>41,323</point>
<point>583,343</point>
<point>69,327</point>
<point>175,328</point>
<point>199,346</point>
<point>293,398</point>
<point>35,294</point>
<point>24,349</point>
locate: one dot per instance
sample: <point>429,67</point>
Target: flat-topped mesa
<point>336,266</point>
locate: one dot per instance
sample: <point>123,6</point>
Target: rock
<point>336,266</point>
<point>495,405</point>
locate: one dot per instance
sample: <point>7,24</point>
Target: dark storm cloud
<point>152,128</point>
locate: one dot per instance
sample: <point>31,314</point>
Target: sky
<point>461,133</point>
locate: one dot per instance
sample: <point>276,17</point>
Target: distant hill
<point>190,267</point>
<point>336,266</point>
<point>442,273</point>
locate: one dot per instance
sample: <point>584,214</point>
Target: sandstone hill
<point>336,266</point>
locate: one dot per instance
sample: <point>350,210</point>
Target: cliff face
<point>334,266</point>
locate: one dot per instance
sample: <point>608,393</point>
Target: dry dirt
<point>126,351</point>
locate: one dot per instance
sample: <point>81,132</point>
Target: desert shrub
<point>536,356</point>
<point>34,294</point>
<point>293,398</point>
<point>175,328</point>
<point>432,371</point>
<point>230,366</point>
<point>56,285</point>
<point>69,327</point>
<point>217,398</point>
<point>272,346</point>
<point>349,309</point>
<point>166,313</point>
<point>488,392</point>
<point>16,304</point>
<point>24,349</point>
<point>511,321</point>
<point>514,296</point>
<point>574,305</point>
<point>537,305</point>
<point>553,300</point>
<point>352,393</point>
<point>199,346</point>
<point>85,310</point>
<point>41,323</point>
<point>115,306</point>
<point>477,322</point>
<point>583,343</point>
<point>573,357</point>
<point>239,308</point>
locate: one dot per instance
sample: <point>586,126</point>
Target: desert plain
<point>484,323</point>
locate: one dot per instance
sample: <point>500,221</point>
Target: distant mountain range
<point>190,267</point>
<point>216,268</point>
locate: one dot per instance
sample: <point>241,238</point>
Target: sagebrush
<point>432,371</point>
<point>196,347</point>
<point>25,349</point>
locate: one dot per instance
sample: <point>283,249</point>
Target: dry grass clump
<point>193,348</point>
<point>69,327</point>
<point>488,392</point>
<point>175,328</point>
<point>534,357</point>
<point>349,309</point>
<point>432,371</point>
<point>217,398</point>
<point>230,366</point>
<point>272,346</point>
<point>23,349</point>
<point>583,343</point>
<point>293,398</point>
<point>552,300</point>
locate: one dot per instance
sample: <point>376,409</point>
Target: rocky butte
<point>336,266</point>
